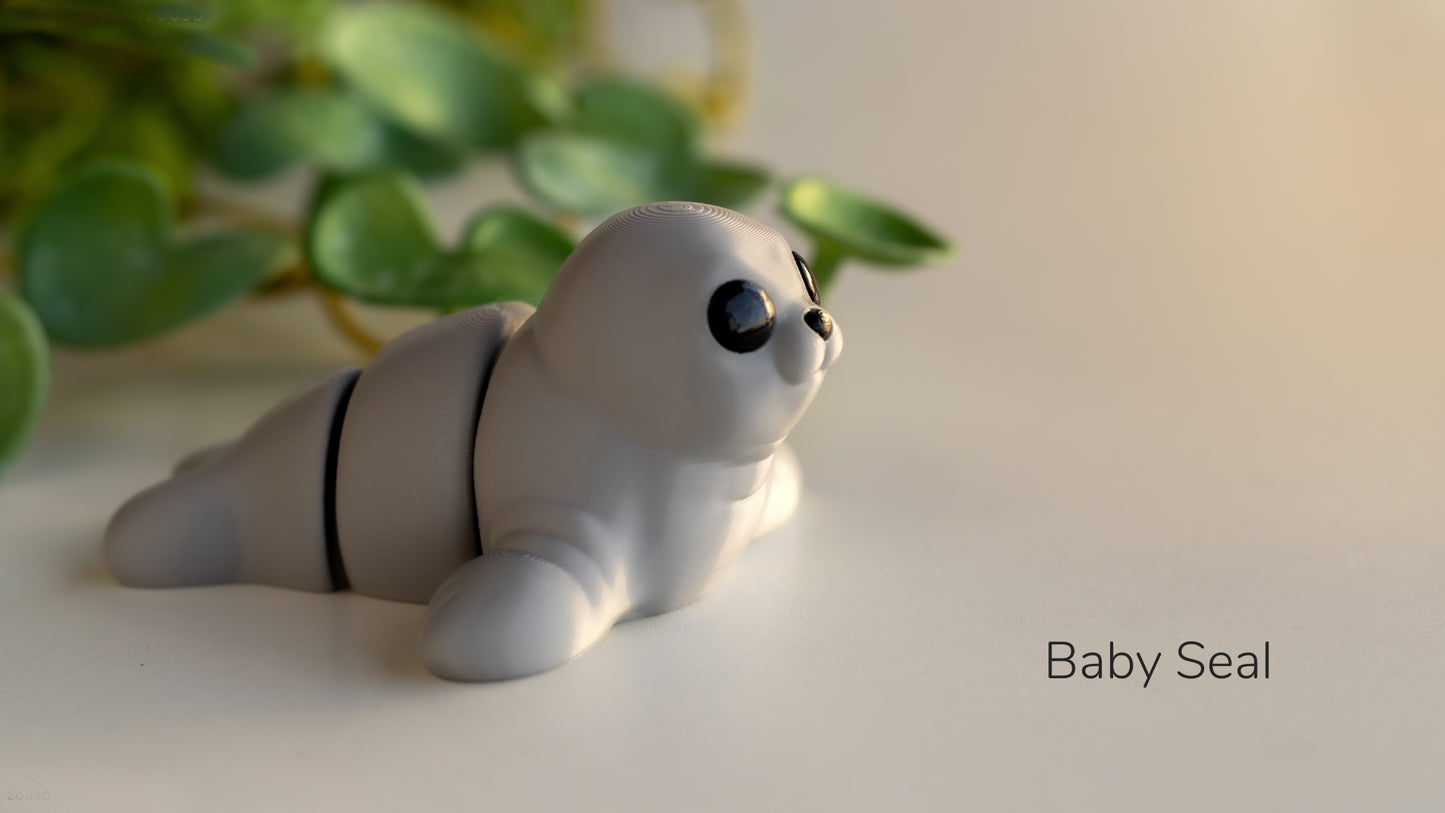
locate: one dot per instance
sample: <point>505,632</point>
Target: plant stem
<point>309,71</point>
<point>246,215</point>
<point>568,222</point>
<point>298,277</point>
<point>598,52</point>
<point>293,279</point>
<point>338,311</point>
<point>827,258</point>
<point>729,86</point>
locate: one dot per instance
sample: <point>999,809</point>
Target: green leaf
<point>857,226</point>
<point>24,373</point>
<point>198,100</point>
<point>39,138</point>
<point>100,266</point>
<point>589,175</point>
<point>291,16</point>
<point>517,254</point>
<point>638,113</point>
<point>731,186</point>
<point>217,48</point>
<point>147,29</point>
<point>423,157</point>
<point>429,71</point>
<point>372,239</point>
<point>543,30</point>
<point>294,126</point>
<point>595,175</point>
<point>148,134</point>
<point>628,144</point>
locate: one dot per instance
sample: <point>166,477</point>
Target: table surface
<point>1183,382</point>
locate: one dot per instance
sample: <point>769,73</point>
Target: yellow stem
<point>247,215</point>
<point>598,52</point>
<point>293,279</point>
<point>309,71</point>
<point>729,85</point>
<point>567,222</point>
<point>338,311</point>
<point>298,277</point>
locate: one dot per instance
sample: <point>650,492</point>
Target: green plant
<point>113,108</point>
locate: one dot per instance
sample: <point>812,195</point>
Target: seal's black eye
<point>808,281</point>
<point>740,316</point>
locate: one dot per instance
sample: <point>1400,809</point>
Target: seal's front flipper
<point>256,511</point>
<point>782,492</point>
<point>509,614</point>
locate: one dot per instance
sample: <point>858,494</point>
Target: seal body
<point>537,476</point>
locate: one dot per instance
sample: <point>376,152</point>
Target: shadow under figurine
<point>537,476</point>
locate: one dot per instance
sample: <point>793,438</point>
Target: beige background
<point>1183,382</point>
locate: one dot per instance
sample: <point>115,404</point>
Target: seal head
<point>693,327</point>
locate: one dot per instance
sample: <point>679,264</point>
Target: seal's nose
<point>821,323</point>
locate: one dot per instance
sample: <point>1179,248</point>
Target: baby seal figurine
<point>537,476</point>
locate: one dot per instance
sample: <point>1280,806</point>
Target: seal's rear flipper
<point>203,457</point>
<point>176,533</point>
<point>260,510</point>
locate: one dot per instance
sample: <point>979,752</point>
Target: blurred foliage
<point>110,109</point>
<point>24,373</point>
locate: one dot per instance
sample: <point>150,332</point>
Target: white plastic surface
<point>1182,383</point>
